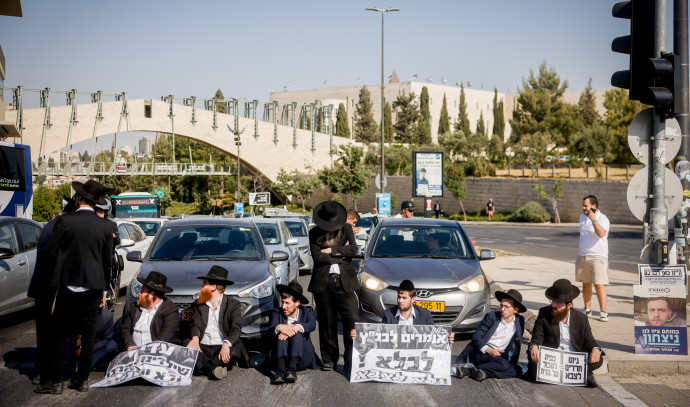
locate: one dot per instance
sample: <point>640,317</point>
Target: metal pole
<point>383,174</point>
<point>681,101</point>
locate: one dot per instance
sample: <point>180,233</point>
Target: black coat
<point>164,324</point>
<point>548,333</point>
<point>341,254</point>
<point>423,316</point>
<point>230,319</point>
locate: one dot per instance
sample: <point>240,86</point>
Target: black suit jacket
<point>547,333</point>
<point>164,324</point>
<point>423,316</point>
<point>341,254</point>
<point>81,250</point>
<point>486,330</point>
<point>230,319</point>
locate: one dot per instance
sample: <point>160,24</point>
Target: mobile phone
<point>594,210</point>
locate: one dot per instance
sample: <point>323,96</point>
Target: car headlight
<point>261,290</point>
<point>373,283</point>
<point>135,287</point>
<point>473,285</point>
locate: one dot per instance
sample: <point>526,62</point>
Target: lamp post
<point>238,143</point>
<point>383,139</point>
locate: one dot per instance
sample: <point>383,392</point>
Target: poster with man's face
<point>660,320</point>
<point>428,173</point>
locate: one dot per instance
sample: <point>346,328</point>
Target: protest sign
<point>668,275</point>
<point>158,362</point>
<point>411,354</point>
<point>660,320</point>
<point>562,367</point>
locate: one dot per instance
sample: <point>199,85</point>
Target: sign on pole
<point>427,169</point>
<point>660,320</point>
<point>239,207</point>
<point>664,275</point>
<point>259,198</point>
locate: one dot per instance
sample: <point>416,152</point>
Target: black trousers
<point>208,358</point>
<point>44,327</point>
<point>77,314</point>
<point>333,301</point>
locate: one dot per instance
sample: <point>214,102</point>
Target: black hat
<point>562,291</point>
<point>217,275</point>
<point>156,281</point>
<point>330,215</point>
<point>91,190</point>
<point>513,295</point>
<point>407,205</point>
<point>406,285</point>
<point>294,289</point>
<point>70,205</point>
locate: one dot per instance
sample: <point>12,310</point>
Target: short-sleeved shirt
<point>490,206</point>
<point>590,243</point>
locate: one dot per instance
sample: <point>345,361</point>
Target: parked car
<point>438,257</point>
<point>299,229</point>
<point>132,238</point>
<point>365,225</point>
<point>187,248</point>
<point>18,242</point>
<point>150,226</point>
<point>277,237</point>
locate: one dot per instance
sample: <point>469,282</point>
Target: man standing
<point>216,327</point>
<point>437,208</point>
<point>490,208</point>
<point>352,218</point>
<point>592,266</point>
<point>559,326</point>
<point>80,249</point>
<point>406,210</point>
<point>495,345</point>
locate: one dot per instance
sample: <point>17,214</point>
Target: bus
<point>16,188</point>
<point>136,205</point>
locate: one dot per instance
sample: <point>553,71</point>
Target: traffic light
<point>663,76</point>
<point>639,44</point>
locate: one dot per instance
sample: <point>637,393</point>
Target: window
<point>124,233</point>
<point>29,235</point>
<point>297,229</point>
<point>8,238</point>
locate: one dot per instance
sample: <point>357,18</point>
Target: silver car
<point>438,257</point>
<point>18,242</point>
<point>150,226</point>
<point>299,229</point>
<point>277,237</point>
<point>132,239</point>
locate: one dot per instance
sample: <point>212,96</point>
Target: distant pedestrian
<point>374,211</point>
<point>490,208</point>
<point>406,210</point>
<point>592,266</point>
<point>352,218</point>
<point>437,208</point>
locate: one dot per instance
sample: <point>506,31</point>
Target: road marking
<point>609,385</point>
<point>536,238</point>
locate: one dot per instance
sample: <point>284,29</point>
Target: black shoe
<point>36,380</point>
<point>290,376</point>
<point>278,378</point>
<point>478,374</point>
<point>82,387</point>
<point>463,372</point>
<point>327,366</point>
<point>591,382</point>
<point>49,388</point>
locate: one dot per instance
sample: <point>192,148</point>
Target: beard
<point>557,315</point>
<point>145,301</point>
<point>204,297</point>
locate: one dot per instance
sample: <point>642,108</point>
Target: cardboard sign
<point>562,367</point>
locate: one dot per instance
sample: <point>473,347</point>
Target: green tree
<point>296,184</point>
<point>619,113</point>
<point>342,129</point>
<point>388,123</point>
<point>594,143</point>
<point>166,200</point>
<point>588,115</point>
<point>463,121</point>
<point>444,121</point>
<point>481,127</point>
<point>203,200</point>
<point>46,204</point>
<point>348,175</point>
<point>220,107</point>
<point>455,181</point>
<point>407,119</point>
<point>424,117</point>
<point>554,196</point>
<point>499,118</point>
<point>398,159</point>
<point>366,129</point>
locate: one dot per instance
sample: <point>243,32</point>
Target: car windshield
<point>364,222</point>
<point>269,232</point>
<point>297,229</point>
<point>207,242</point>
<point>150,228</point>
<point>421,241</point>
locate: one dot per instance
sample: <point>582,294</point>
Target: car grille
<point>447,316</point>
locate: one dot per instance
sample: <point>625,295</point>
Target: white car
<point>365,225</point>
<point>150,226</point>
<point>132,238</point>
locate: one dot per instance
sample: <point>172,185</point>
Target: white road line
<point>536,238</point>
<point>609,385</point>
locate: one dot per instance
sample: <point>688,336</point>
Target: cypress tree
<point>463,121</point>
<point>444,121</point>
<point>425,117</point>
<point>366,128</point>
<point>342,129</point>
<point>388,123</point>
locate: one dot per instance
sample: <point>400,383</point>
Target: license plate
<point>432,305</point>
<point>185,315</point>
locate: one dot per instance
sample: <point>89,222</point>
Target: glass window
<point>364,222</point>
<point>124,233</point>
<point>269,232</point>
<point>297,229</point>
<point>207,242</point>
<point>149,228</point>
<point>421,241</point>
<point>8,238</point>
<point>137,234</point>
<point>29,234</point>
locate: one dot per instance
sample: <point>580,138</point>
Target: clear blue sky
<point>190,48</point>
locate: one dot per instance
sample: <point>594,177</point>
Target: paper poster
<point>660,320</point>
<point>562,367</point>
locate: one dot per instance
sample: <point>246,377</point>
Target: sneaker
<point>478,374</point>
<point>219,373</point>
<point>588,312</point>
<point>462,372</point>
<point>603,316</point>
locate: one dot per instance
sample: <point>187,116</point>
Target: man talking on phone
<point>592,266</point>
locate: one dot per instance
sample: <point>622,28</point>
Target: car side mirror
<point>6,253</point>
<point>361,236</point>
<point>292,241</point>
<point>279,255</point>
<point>486,254</point>
<point>134,256</point>
<point>126,243</point>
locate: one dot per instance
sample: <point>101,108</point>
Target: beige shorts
<point>592,270</point>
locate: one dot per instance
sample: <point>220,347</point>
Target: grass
<point>181,208</point>
<point>480,216</point>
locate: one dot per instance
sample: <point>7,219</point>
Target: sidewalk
<point>533,275</point>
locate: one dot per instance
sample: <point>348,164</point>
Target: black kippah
<point>406,285</point>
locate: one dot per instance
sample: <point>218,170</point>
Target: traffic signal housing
<point>663,74</point>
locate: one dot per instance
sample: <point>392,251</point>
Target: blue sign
<point>239,207</point>
<point>661,340</point>
<point>384,204</point>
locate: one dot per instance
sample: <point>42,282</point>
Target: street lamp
<point>383,139</point>
<point>238,143</point>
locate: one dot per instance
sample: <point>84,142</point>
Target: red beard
<point>204,297</point>
<point>557,315</point>
<point>145,301</point>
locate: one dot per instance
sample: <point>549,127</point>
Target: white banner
<point>417,354</point>
<point>562,367</point>
<point>158,362</point>
<point>667,275</point>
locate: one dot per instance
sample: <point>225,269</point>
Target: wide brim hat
<point>156,281</point>
<point>330,215</point>
<point>513,295</point>
<point>562,291</point>
<point>294,289</point>
<point>91,190</point>
<point>217,275</point>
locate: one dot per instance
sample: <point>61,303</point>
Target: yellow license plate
<point>185,315</point>
<point>432,305</point>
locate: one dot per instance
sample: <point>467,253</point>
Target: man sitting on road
<point>495,345</point>
<point>292,324</point>
<point>155,318</point>
<point>216,327</point>
<point>559,326</point>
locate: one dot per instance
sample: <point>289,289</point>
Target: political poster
<point>660,320</point>
<point>409,354</point>
<point>667,275</point>
<point>562,367</point>
<point>160,363</point>
<point>428,173</point>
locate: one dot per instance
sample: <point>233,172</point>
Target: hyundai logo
<point>424,293</point>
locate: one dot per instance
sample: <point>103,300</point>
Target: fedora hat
<point>91,190</point>
<point>217,275</point>
<point>513,295</point>
<point>156,281</point>
<point>295,290</point>
<point>330,215</point>
<point>562,291</point>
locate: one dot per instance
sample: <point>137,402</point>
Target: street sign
<point>378,181</point>
<point>159,192</point>
<point>239,207</point>
<point>640,136</point>
<point>638,195</point>
<point>259,198</point>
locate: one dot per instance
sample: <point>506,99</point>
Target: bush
<point>532,212</point>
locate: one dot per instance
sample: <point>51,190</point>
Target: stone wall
<point>509,194</point>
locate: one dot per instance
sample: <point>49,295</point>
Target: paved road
<point>557,242</point>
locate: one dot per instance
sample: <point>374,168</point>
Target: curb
<point>617,226</point>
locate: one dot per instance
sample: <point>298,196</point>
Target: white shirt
<point>335,269</point>
<point>213,335</point>
<point>565,343</point>
<point>402,320</point>
<point>501,338</point>
<point>291,320</point>
<point>590,243</point>
<point>398,216</point>
<point>142,329</point>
